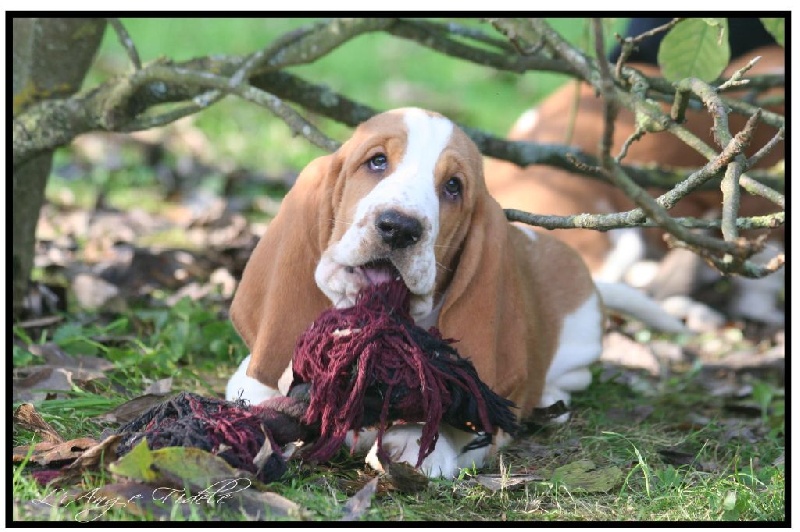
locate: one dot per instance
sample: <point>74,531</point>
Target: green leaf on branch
<point>720,25</point>
<point>695,48</point>
<point>775,27</point>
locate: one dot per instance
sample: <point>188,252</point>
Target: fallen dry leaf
<point>266,504</point>
<point>59,372</point>
<point>36,383</point>
<point>620,350</point>
<point>357,505</point>
<point>498,482</point>
<point>92,458</point>
<point>100,454</point>
<point>55,356</point>
<point>677,457</point>
<point>46,453</point>
<point>404,477</point>
<point>543,416</point>
<point>130,410</point>
<point>28,418</point>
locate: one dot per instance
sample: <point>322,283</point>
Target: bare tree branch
<point>722,136</point>
<point>126,42</point>
<point>133,101</point>
<point>621,220</point>
<point>628,44</point>
<point>735,251</point>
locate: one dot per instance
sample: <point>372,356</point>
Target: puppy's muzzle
<point>398,230</point>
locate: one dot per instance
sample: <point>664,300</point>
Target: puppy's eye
<point>378,163</point>
<point>453,187</point>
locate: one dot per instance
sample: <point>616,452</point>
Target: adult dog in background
<point>405,197</point>
<point>611,255</point>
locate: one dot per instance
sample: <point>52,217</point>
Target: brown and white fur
<point>405,196</point>
<point>610,255</point>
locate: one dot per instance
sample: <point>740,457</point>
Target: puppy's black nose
<point>397,229</point>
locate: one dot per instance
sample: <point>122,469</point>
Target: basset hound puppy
<point>574,116</point>
<point>405,197</point>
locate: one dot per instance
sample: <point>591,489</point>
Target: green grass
<point>727,481</point>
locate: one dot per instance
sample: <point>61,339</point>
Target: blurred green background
<point>233,137</point>
<point>376,69</point>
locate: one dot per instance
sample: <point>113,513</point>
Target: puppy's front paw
<point>401,443</point>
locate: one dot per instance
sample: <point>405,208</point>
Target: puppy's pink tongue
<point>380,275</point>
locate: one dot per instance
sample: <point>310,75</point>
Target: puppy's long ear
<point>277,298</point>
<point>486,305</point>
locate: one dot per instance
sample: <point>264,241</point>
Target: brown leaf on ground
<point>261,505</point>
<point>543,416</point>
<point>36,383</point>
<point>498,482</point>
<point>677,457</point>
<point>92,459</point>
<point>742,430</point>
<point>46,453</point>
<point>60,371</point>
<point>55,356</point>
<point>28,418</point>
<point>405,478</point>
<point>102,453</point>
<point>129,410</point>
<point>768,365</point>
<point>357,505</point>
<point>620,350</point>
<point>637,414</point>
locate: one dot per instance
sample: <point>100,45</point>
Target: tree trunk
<point>50,59</point>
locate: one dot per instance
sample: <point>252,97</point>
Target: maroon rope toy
<point>366,366</point>
<point>371,364</point>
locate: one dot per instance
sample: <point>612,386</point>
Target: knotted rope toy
<point>366,366</point>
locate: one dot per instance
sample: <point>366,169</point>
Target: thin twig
<point>722,136</point>
<point>746,268</point>
<point>267,54</point>
<point>610,106</point>
<point>207,99</point>
<point>146,121</point>
<point>635,136</point>
<point>292,118</point>
<point>475,34</point>
<point>736,79</point>
<point>760,189</point>
<point>766,148</point>
<point>126,42</point>
<point>628,44</point>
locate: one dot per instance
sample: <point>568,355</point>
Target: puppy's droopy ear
<point>277,298</point>
<point>484,305</point>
